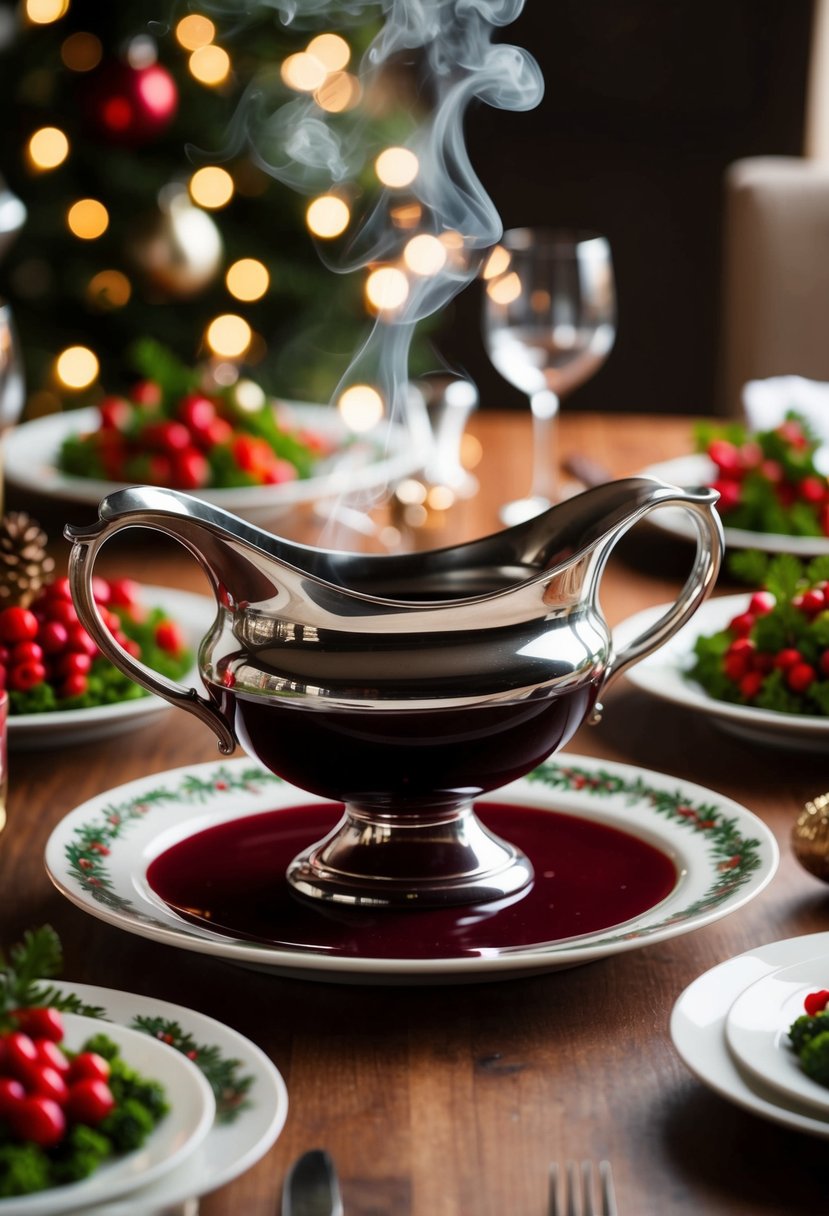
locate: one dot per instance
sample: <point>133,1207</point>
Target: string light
<point>340,91</point>
<point>397,167</point>
<point>504,290</point>
<point>44,12</point>
<point>327,216</point>
<point>48,148</point>
<point>77,367</point>
<point>88,219</point>
<point>407,215</point>
<point>211,187</point>
<point>387,288</point>
<point>81,52</point>
<point>209,65</point>
<point>229,336</point>
<point>496,263</point>
<point>247,279</point>
<point>109,289</point>
<point>361,407</point>
<point>195,31</point>
<point>303,72</point>
<point>331,50</point>
<point>424,254</point>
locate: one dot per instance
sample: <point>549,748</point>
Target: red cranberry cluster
<point>42,1090</point>
<point>47,642</point>
<point>747,667</point>
<point>736,461</point>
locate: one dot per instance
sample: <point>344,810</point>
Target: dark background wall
<point>646,103</point>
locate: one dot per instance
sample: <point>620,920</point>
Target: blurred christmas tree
<point>131,233</point>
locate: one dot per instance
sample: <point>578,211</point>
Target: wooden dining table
<point>453,1099</point>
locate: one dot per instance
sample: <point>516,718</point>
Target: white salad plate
<point>697,470</point>
<point>757,1031</point>
<point>192,1110</point>
<point>664,674</point>
<point>698,1029</point>
<point>723,856</point>
<point>193,613</point>
<point>373,460</point>
<point>232,1144</point>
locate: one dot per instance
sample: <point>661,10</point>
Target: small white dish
<point>176,1138</point>
<point>28,732</point>
<point>697,470</point>
<point>723,856</point>
<point>664,674</point>
<point>230,1147</point>
<point>757,1031</point>
<point>372,461</point>
<point>698,1030</point>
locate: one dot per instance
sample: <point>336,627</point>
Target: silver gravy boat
<point>404,686</point>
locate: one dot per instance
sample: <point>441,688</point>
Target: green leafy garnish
<point>37,957</point>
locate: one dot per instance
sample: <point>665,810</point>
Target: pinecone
<point>25,565</point>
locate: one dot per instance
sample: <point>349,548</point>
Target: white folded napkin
<point>766,403</point>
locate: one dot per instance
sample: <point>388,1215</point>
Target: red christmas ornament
<point>130,105</point>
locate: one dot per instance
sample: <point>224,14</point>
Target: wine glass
<point>549,325</point>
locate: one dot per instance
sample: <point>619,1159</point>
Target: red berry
<point>190,470</point>
<point>38,1119</point>
<point>784,659</point>
<point>761,603</point>
<point>52,636</point>
<point>100,590</point>
<point>17,625</point>
<point>220,431</point>
<point>62,611</point>
<point>816,1002</point>
<point>736,666</point>
<point>812,489</point>
<point>24,676</point>
<point>90,1100</point>
<point>77,639</point>
<point>124,592</point>
<point>74,685</point>
<point>21,1052</point>
<point>11,1092</point>
<point>197,412</point>
<point>726,456</point>
<point>800,677</point>
<point>751,684</point>
<point>40,1022</point>
<point>116,413</point>
<point>59,589</point>
<point>792,432</point>
<point>812,601</point>
<point>729,492</point>
<point>750,454</point>
<point>169,436</point>
<point>26,652</point>
<point>49,1053</point>
<point>47,1081</point>
<point>772,470</point>
<point>168,637</point>
<point>146,392</point>
<point>89,1065</point>
<point>741,624</point>
<point>280,471</point>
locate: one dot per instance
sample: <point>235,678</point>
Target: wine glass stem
<point>544,406</point>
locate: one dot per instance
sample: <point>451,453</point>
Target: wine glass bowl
<point>549,325</point>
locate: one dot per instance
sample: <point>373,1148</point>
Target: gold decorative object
<point>25,564</point>
<point>810,837</point>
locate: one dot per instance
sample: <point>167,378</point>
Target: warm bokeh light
<point>386,288</point>
<point>142,52</point>
<point>211,187</point>
<point>504,290</point>
<point>209,65</point>
<point>540,300</point>
<point>249,396</point>
<point>81,52</point>
<point>43,12</point>
<point>48,148</point>
<point>195,31</point>
<point>496,263</point>
<point>228,336</point>
<point>109,289</point>
<point>327,216</point>
<point>303,72</point>
<point>424,254</point>
<point>339,91</point>
<point>331,50</point>
<point>88,219</point>
<point>361,407</point>
<point>247,279</point>
<point>407,215</point>
<point>76,367</point>
<point>440,498</point>
<point>396,167</point>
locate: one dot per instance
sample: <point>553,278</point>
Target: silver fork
<point>572,1191</point>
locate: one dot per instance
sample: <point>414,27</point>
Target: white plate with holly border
<point>375,460</point>
<point>721,857</point>
<point>250,1111</point>
<point>664,674</point>
<point>27,732</point>
<point>697,470</point>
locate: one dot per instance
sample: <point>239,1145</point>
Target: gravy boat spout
<point>404,686</point>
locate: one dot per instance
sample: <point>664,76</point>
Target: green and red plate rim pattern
<point>733,856</point>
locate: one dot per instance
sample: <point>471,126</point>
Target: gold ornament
<point>25,565</point>
<point>178,251</point>
<point>810,837</point>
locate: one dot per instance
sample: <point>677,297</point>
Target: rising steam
<point>446,47</point>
